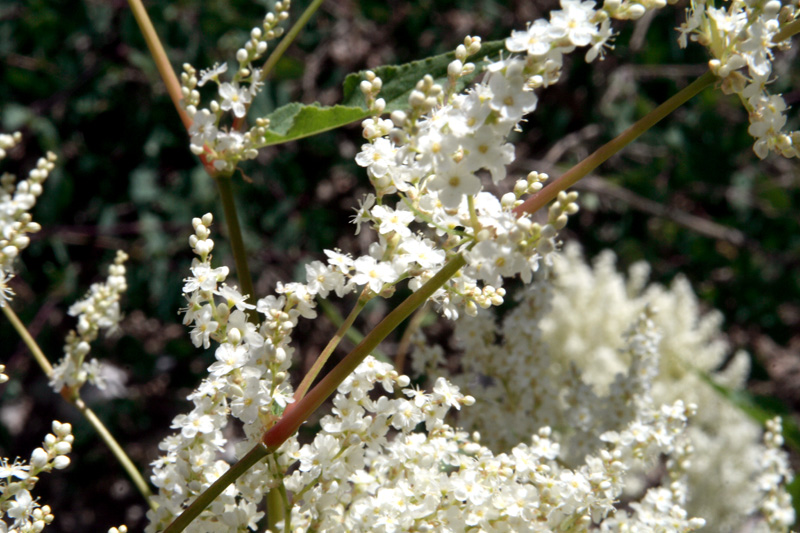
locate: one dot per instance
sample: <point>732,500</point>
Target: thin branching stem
<point>74,398</point>
<point>225,188</point>
<point>316,368</point>
<point>236,471</point>
<point>160,57</point>
<point>289,38</point>
<point>602,154</point>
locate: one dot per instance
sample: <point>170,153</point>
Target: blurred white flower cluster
<point>585,351</point>
<point>741,37</point>
<point>16,201</point>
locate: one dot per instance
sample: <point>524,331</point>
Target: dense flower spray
<point>390,461</point>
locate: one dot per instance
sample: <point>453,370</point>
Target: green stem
<point>275,507</point>
<point>405,340</point>
<point>275,56</point>
<point>790,30</point>
<point>316,368</point>
<point>352,334</point>
<point>116,449</point>
<point>76,400</point>
<point>582,169</point>
<point>294,416</point>
<point>298,412</point>
<point>160,57</point>
<point>29,341</point>
<point>236,471</point>
<point>235,235</point>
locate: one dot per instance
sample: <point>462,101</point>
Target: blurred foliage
<point>77,79</point>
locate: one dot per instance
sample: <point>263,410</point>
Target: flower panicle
<point>19,511</point>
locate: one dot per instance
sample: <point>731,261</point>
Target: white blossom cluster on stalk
<point>371,468</point>
<point>585,349</point>
<point>20,512</point>
<point>16,201</point>
<point>427,164</point>
<point>248,381</point>
<point>552,443</point>
<point>212,137</point>
<point>98,311</point>
<point>739,36</point>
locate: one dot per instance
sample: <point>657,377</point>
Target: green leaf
<point>399,80</point>
<point>296,121</point>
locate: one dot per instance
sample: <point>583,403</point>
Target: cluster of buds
<point>18,479</point>
<point>16,201</point>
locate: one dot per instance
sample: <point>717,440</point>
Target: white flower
<point>536,40</point>
<point>229,358</point>
<point>454,181</point>
<point>322,279</point>
<point>573,22</point>
<point>372,273</point>
<point>390,220</point>
<point>377,156</point>
<point>6,292</point>
<point>203,129</point>
<point>362,213</point>
<point>204,326</point>
<point>212,73</point>
<point>508,95</point>
<point>234,298</point>
<point>234,98</point>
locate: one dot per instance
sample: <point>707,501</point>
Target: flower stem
<point>236,471</point>
<point>29,341</point>
<point>298,412</point>
<point>312,374</point>
<point>790,30</point>
<point>290,36</point>
<point>352,334</point>
<point>582,169</point>
<point>225,188</point>
<point>75,399</point>
<point>160,57</point>
<point>405,341</point>
<point>116,449</point>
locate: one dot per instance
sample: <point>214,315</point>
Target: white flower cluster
<point>98,311</point>
<point>585,351</point>
<point>19,512</point>
<point>248,381</point>
<point>354,477</point>
<point>16,201</point>
<point>739,36</point>
<point>432,158</point>
<point>224,146</point>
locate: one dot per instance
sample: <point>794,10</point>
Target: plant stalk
<point>312,374</point>
<point>225,188</point>
<point>236,471</point>
<point>116,449</point>
<point>297,413</point>
<point>160,57</point>
<point>287,40</point>
<point>75,399</point>
<point>602,154</point>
